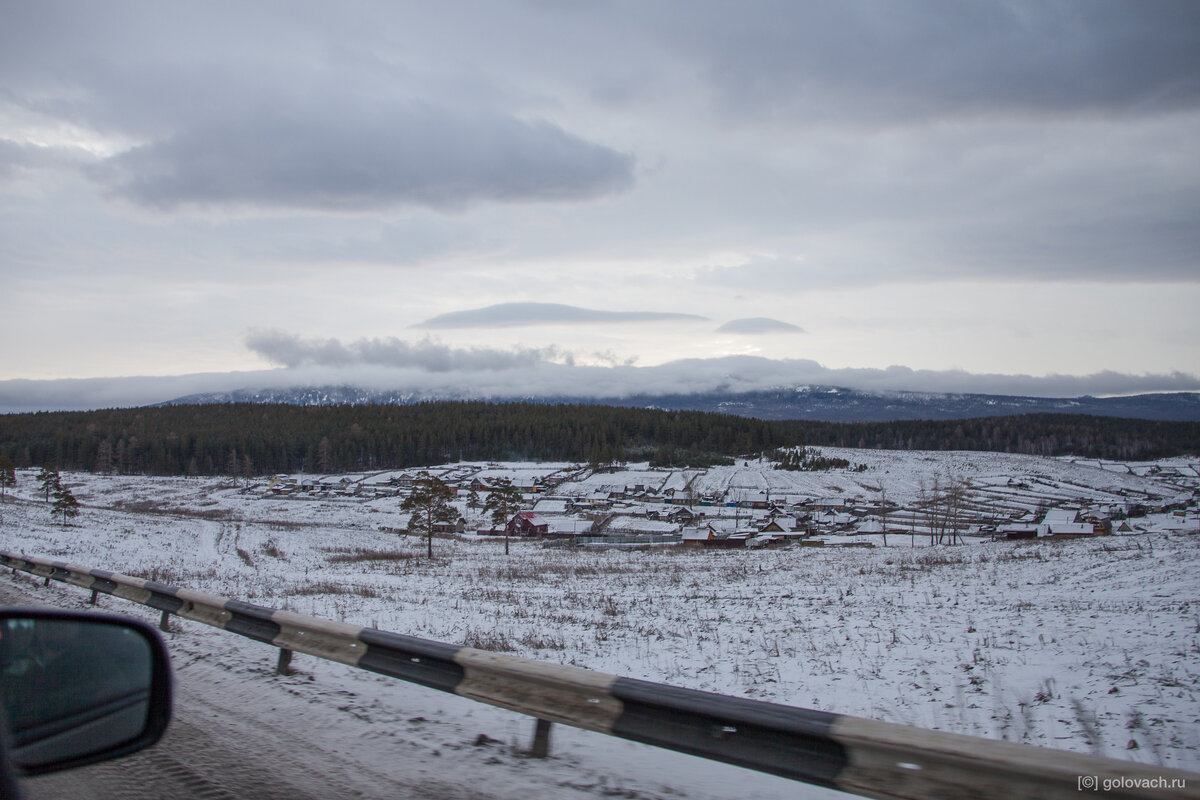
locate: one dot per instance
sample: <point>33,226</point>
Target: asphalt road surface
<point>213,751</point>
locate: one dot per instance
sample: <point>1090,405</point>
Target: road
<point>219,746</point>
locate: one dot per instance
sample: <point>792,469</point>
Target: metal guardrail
<point>861,756</point>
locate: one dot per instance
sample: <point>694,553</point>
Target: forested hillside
<point>256,439</point>
<point>251,438</point>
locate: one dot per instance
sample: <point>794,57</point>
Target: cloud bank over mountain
<point>291,351</point>
<point>449,373</point>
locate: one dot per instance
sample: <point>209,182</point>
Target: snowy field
<point>1090,645</point>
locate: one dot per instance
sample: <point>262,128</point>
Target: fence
<point>861,756</point>
<point>614,540</point>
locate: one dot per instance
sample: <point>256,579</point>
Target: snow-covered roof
<point>550,506</point>
<point>565,523</point>
<point>1070,528</point>
<point>1060,516</point>
<point>623,524</point>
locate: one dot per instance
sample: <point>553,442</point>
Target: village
<point>984,497</point>
<point>680,576</point>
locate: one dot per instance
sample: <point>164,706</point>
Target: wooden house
<point>527,523</point>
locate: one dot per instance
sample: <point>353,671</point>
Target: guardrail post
<point>95,596</point>
<point>47,581</point>
<point>285,661</point>
<point>541,740</point>
<point>164,624</point>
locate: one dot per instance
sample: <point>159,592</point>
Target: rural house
<point>527,523</point>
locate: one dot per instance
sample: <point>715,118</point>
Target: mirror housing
<point>78,688</point>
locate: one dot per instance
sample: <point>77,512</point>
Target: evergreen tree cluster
<point>1081,435</point>
<point>245,438</point>
<point>254,439</point>
<point>803,459</point>
<point>65,504</point>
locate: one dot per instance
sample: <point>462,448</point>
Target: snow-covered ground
<point>1090,645</point>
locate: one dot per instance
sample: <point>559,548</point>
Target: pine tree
<point>65,504</point>
<point>49,478</point>
<point>8,475</point>
<point>430,503</point>
<point>503,501</point>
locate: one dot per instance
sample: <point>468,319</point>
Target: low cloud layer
<point>508,315</point>
<point>291,351</point>
<point>431,372</point>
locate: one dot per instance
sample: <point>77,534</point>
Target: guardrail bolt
<point>541,740</point>
<point>164,624</point>
<point>284,667</point>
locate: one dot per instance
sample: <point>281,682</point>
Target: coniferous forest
<point>247,438</point>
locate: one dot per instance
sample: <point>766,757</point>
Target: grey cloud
<point>507,315</point>
<point>308,109</point>
<point>16,157</point>
<point>13,156</point>
<point>881,59</point>
<point>759,325</point>
<point>330,158</point>
<point>292,351</point>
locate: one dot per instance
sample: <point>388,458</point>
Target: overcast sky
<point>926,195</point>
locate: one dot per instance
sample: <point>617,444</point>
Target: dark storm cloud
<point>325,160</point>
<point>755,326</point>
<point>507,315</point>
<point>289,350</point>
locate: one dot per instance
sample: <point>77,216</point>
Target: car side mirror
<point>77,688</point>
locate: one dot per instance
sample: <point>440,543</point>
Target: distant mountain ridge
<point>818,403</point>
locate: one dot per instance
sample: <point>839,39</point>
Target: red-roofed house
<point>527,523</point>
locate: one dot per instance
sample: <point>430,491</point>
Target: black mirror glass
<point>76,689</point>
